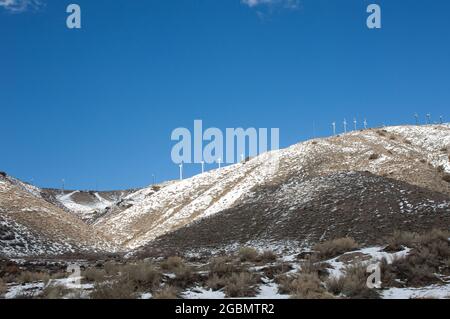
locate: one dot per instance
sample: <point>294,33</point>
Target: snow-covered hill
<point>416,156</point>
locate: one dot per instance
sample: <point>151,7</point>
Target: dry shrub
<point>215,282</point>
<point>222,266</point>
<point>444,150</point>
<point>172,263</point>
<point>94,275</point>
<point>446,178</point>
<point>268,256</point>
<point>111,268</point>
<point>248,254</point>
<point>308,286</point>
<point>272,271</point>
<point>167,292</point>
<point>381,132</point>
<point>430,256</point>
<point>310,266</point>
<point>240,285</point>
<point>400,239</point>
<point>335,247</point>
<point>28,277</point>
<point>3,287</point>
<point>120,289</point>
<point>141,274</point>
<point>374,156</point>
<point>353,283</point>
<point>54,292</point>
<point>184,276</point>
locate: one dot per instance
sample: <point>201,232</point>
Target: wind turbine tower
<point>365,124</point>
<point>181,171</point>
<point>334,128</point>
<point>354,123</point>
<point>416,116</point>
<point>345,126</point>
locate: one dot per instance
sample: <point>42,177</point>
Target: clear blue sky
<point>97,106</point>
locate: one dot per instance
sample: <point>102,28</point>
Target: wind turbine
<point>334,128</point>
<point>365,124</point>
<point>417,118</point>
<point>354,123</point>
<point>345,126</point>
<point>219,161</point>
<point>441,119</point>
<point>242,158</point>
<point>181,171</point>
<point>63,185</point>
<point>203,166</point>
<point>153,179</point>
<point>428,118</point>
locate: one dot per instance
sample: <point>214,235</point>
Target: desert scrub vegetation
<point>248,254</point>
<point>171,263</point>
<point>3,287</point>
<point>94,275</point>
<point>142,274</point>
<point>240,284</point>
<point>222,266</point>
<point>234,284</point>
<point>352,284</point>
<point>335,247</point>
<point>374,156</point>
<point>446,178</point>
<point>268,256</point>
<point>429,255</point>
<point>54,292</point>
<point>114,289</point>
<point>29,277</point>
<point>167,292</point>
<point>307,286</point>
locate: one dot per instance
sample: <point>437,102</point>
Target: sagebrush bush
<point>222,266</point>
<point>374,156</point>
<point>240,285</point>
<point>184,276</point>
<point>54,292</point>
<point>215,282</point>
<point>172,263</point>
<point>3,287</point>
<point>248,254</point>
<point>353,284</point>
<point>113,289</point>
<point>141,274</point>
<point>268,256</point>
<point>308,286</point>
<point>335,247</point>
<point>94,275</point>
<point>401,239</point>
<point>167,292</point>
<point>28,277</point>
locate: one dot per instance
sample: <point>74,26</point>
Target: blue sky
<point>97,106</point>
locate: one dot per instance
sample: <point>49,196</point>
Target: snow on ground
<point>376,255</point>
<point>432,292</point>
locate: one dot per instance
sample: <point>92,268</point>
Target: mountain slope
<point>302,212</point>
<point>29,225</point>
<point>416,156</point>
